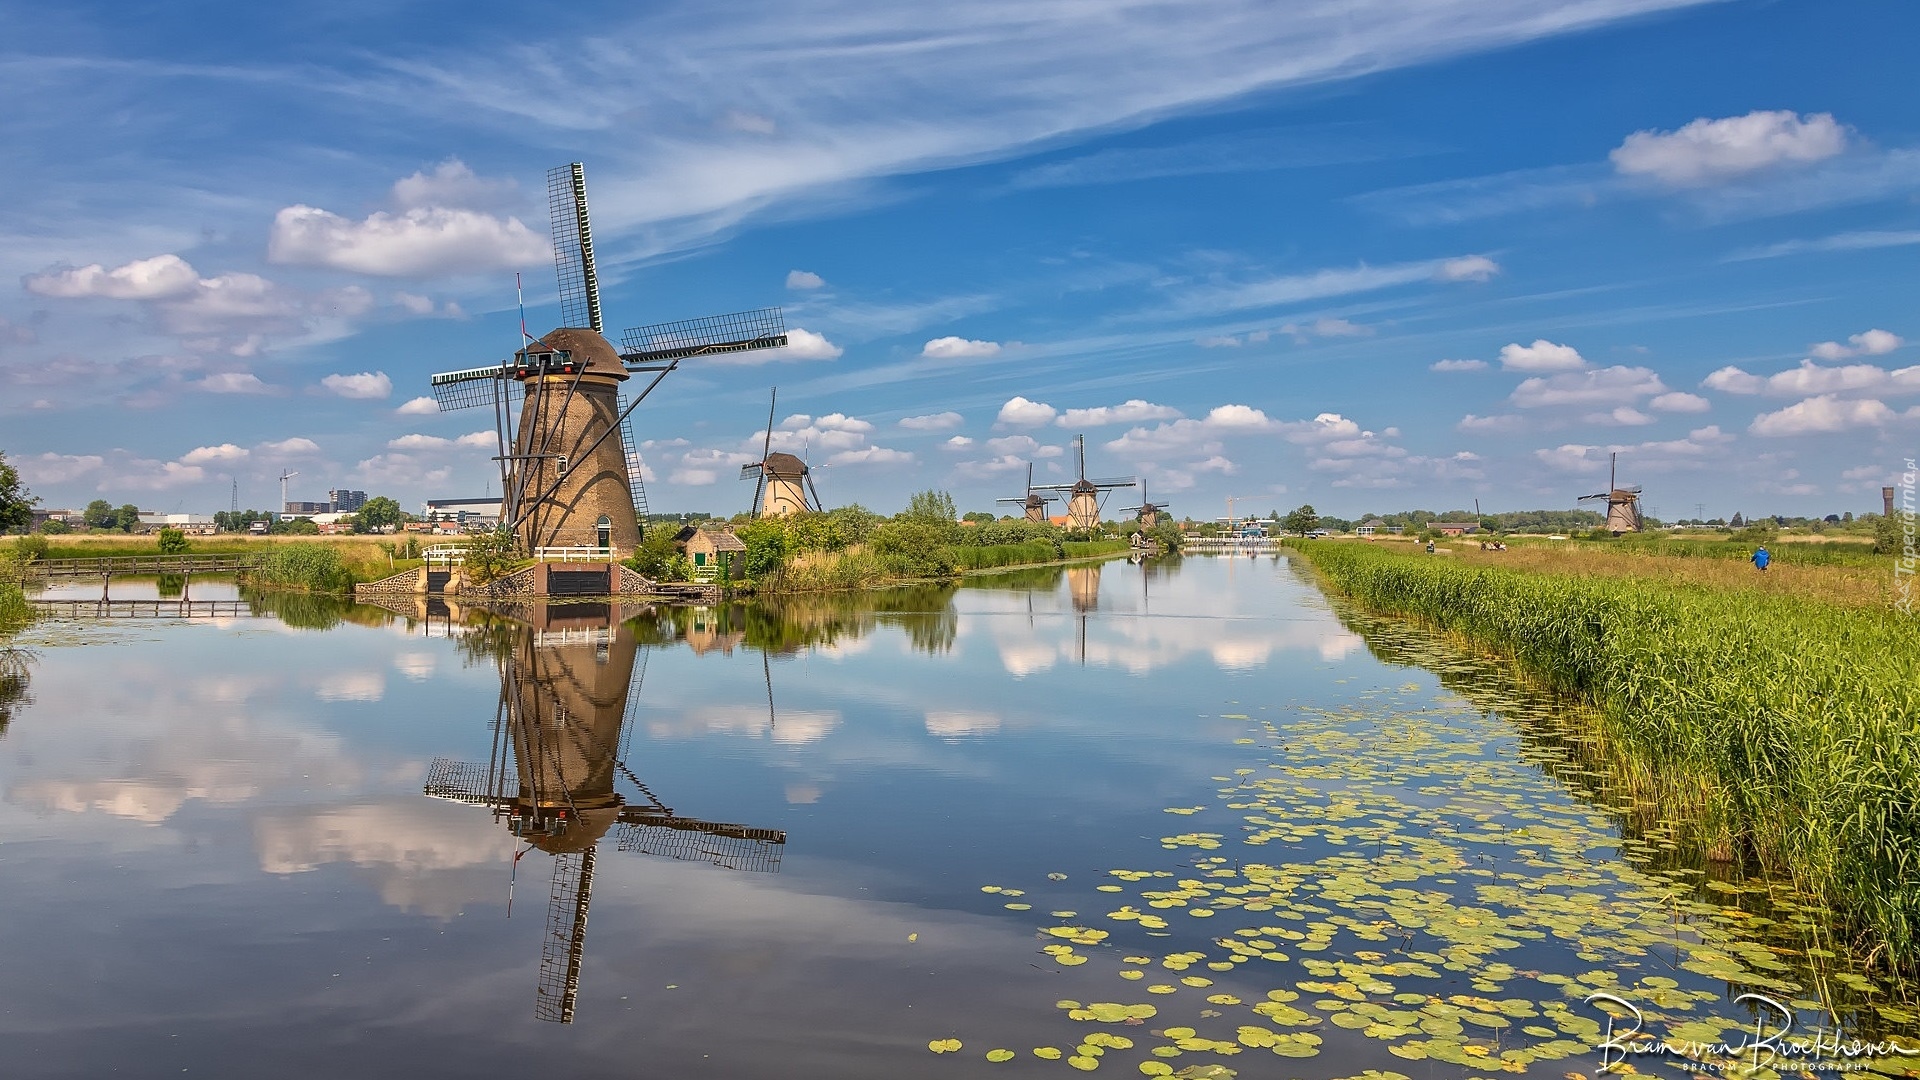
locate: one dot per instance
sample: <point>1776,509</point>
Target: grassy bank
<point>1799,714</point>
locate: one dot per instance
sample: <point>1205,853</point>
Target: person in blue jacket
<point>1761,558</point>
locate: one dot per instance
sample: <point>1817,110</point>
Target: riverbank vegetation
<point>853,548</point>
<point>1795,712</point>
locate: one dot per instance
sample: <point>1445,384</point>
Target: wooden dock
<point>143,609</point>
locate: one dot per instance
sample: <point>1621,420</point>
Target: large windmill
<point>567,693</point>
<point>1623,504</point>
<point>569,466</point>
<point>783,483</point>
<point>1084,496</point>
<point>1033,503</point>
<point>1147,513</point>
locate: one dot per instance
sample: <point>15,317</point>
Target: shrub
<point>766,541</point>
<point>55,528</point>
<point>913,549</point>
<point>31,547</point>
<point>172,542</point>
<point>1889,535</point>
<point>491,555</point>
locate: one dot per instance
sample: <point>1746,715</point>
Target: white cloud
<point>423,306</point>
<point>418,441</point>
<point>748,123</point>
<point>1702,447</point>
<point>1865,343</point>
<point>1621,416</point>
<point>234,382</point>
<point>801,345</point>
<point>1542,355</point>
<point>211,455</point>
<point>142,279</point>
<point>1468,268</point>
<point>148,475</point>
<point>1603,386</point>
<point>1218,341</point>
<point>1823,415</point>
<point>51,468</point>
<point>365,386</point>
<point>418,242</point>
<point>804,279</point>
<point>1024,446</point>
<point>983,470</point>
<point>959,442</point>
<point>420,406</point>
<point>940,421</point>
<point>1680,402</point>
<point>451,183</point>
<point>477,438</point>
<point>1238,418</point>
<point>1810,378</point>
<point>1709,151</point>
<point>952,348</point>
<point>1019,412</point>
<point>1132,411</point>
<point>1457,365</point>
<point>1491,425</point>
<point>290,447</point>
<point>871,455</point>
<point>1315,285</point>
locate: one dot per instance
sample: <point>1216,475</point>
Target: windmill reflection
<point>570,678</point>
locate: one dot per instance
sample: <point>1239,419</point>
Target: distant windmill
<point>570,470</point>
<point>566,705</point>
<point>1084,496</point>
<point>1033,503</point>
<point>1148,513</point>
<point>783,483</point>
<point>1623,504</point>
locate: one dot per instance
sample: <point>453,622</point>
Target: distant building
<point>64,517</point>
<point>1369,527</point>
<point>306,509</point>
<point>713,553</point>
<point>1455,528</point>
<point>462,512</point>
<point>346,502</point>
<point>189,523</point>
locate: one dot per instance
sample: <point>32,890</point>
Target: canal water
<point>1184,818</point>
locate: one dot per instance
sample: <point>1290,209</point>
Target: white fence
<point>573,554</point>
<point>445,554</point>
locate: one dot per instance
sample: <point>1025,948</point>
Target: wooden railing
<point>144,564</point>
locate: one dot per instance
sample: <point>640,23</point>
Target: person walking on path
<point>1761,558</point>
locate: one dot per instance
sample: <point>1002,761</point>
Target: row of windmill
<point>570,467</point>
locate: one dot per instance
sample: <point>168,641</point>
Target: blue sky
<point>1368,255</point>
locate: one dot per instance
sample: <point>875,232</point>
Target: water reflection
<point>15,676</point>
<point>568,683</point>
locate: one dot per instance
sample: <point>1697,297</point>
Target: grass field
<point>363,557</point>
<point>1795,699</point>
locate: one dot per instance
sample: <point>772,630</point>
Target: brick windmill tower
<point>1623,504</point>
<point>1033,503</point>
<point>1084,496</point>
<point>569,465</point>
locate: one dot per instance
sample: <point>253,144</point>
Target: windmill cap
<point>785,466</point>
<point>599,354</point>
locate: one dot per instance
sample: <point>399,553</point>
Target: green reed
<point>1805,715</point>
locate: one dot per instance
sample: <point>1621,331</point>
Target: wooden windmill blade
<point>740,331</point>
<point>573,247</point>
<point>473,387</point>
<point>734,847</point>
<point>565,944</point>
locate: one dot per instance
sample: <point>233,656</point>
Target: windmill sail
<point>634,466</point>
<point>474,387</point>
<point>764,328</point>
<point>565,944</point>
<point>573,247</point>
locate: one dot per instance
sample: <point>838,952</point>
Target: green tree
<point>933,507</point>
<point>16,502</point>
<point>767,544</point>
<point>377,515</point>
<point>173,542</point>
<point>1889,534</point>
<point>490,555</point>
<point>127,518</point>
<point>1303,520</point>
<point>99,514</point>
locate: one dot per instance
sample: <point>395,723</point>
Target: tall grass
<point>993,555</point>
<point>15,612</point>
<point>1804,715</point>
<point>314,567</point>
